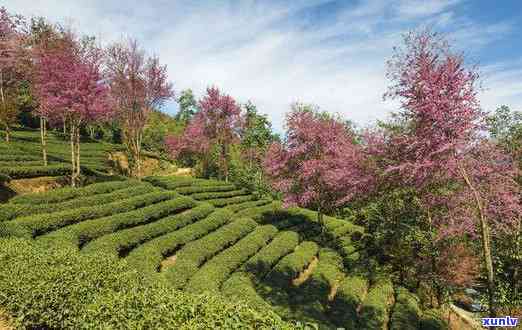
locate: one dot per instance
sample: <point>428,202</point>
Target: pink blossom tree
<point>12,55</point>
<point>139,84</point>
<point>318,165</point>
<point>218,123</point>
<point>69,85</point>
<point>439,144</point>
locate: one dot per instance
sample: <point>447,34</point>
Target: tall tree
<point>256,135</point>
<point>187,106</point>
<point>318,165</point>
<point>12,55</point>
<point>70,85</point>
<point>440,143</point>
<point>139,84</point>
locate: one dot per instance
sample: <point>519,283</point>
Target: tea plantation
<point>180,252</point>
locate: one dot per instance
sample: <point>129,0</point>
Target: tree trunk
<point>4,108</point>
<point>64,126</point>
<point>73,156</point>
<point>78,168</point>
<point>43,134</point>
<point>486,242</point>
<point>7,132</point>
<point>320,220</point>
<point>224,161</point>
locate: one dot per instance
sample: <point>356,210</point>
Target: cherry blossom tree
<point>69,85</point>
<point>318,165</point>
<point>12,55</point>
<point>139,84</point>
<point>218,123</point>
<point>439,144</point>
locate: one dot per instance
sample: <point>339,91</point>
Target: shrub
<point>263,213</point>
<point>433,320</point>
<point>60,195</point>
<point>23,172</point>
<point>18,157</point>
<point>10,211</point>
<point>23,163</point>
<point>375,309</point>
<point>350,295</point>
<point>147,257</point>
<point>39,224</point>
<point>173,183</point>
<point>84,232</point>
<point>215,271</point>
<point>4,178</point>
<point>263,261</point>
<point>125,240</point>
<point>240,286</point>
<point>246,205</point>
<point>291,265</point>
<point>221,202</point>
<point>406,311</point>
<point>328,273</point>
<point>195,253</point>
<point>217,194</point>
<point>200,189</point>
<point>58,288</point>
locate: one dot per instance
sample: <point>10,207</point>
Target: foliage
<point>57,287</point>
<point>318,165</point>
<point>187,106</point>
<point>406,311</point>
<point>377,305</point>
<point>158,126</point>
<point>291,265</point>
<point>139,84</point>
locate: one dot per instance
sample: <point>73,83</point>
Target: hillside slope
<point>204,236</point>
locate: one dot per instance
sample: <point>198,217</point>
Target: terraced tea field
<point>209,236</point>
<point>22,157</point>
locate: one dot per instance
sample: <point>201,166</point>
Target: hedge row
<point>10,211</point>
<point>202,189</point>
<point>4,178</point>
<point>192,255</point>
<point>173,183</point>
<point>327,274</point>
<point>291,265</point>
<point>241,286</point>
<point>214,272</point>
<point>218,194</point>
<point>18,157</point>
<point>247,205</point>
<point>24,172</point>
<point>121,242</point>
<point>262,262</point>
<point>406,311</point>
<point>350,295</point>
<point>222,202</point>
<point>39,224</point>
<point>433,319</point>
<point>374,312</point>
<point>147,257</point>
<point>264,214</point>
<point>23,163</point>
<point>86,231</point>
<point>59,288</point>
<point>60,195</point>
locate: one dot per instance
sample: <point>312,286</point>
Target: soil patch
<point>168,262</point>
<point>305,274</point>
<point>34,185</point>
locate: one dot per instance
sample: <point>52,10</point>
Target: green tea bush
<point>241,286</point>
<point>377,305</point>
<point>120,242</point>
<point>147,257</point>
<point>82,233</point>
<point>39,224</point>
<point>195,253</point>
<point>24,163</point>
<point>18,157</point>
<point>329,272</point>
<point>222,202</point>
<point>173,183</point>
<point>433,320</point>
<point>4,178</point>
<point>218,194</point>
<point>291,265</point>
<point>25,172</point>
<point>58,288</point>
<point>350,294</point>
<point>263,261</point>
<point>406,311</point>
<point>246,205</point>
<point>201,189</point>
<point>214,272</point>
<point>11,210</point>
<point>60,195</point>
<point>263,213</point>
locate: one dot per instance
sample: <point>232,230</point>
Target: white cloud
<point>272,53</point>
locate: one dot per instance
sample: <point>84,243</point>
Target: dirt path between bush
<point>305,274</point>
<point>167,263</point>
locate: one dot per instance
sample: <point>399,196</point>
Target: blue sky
<point>331,53</point>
